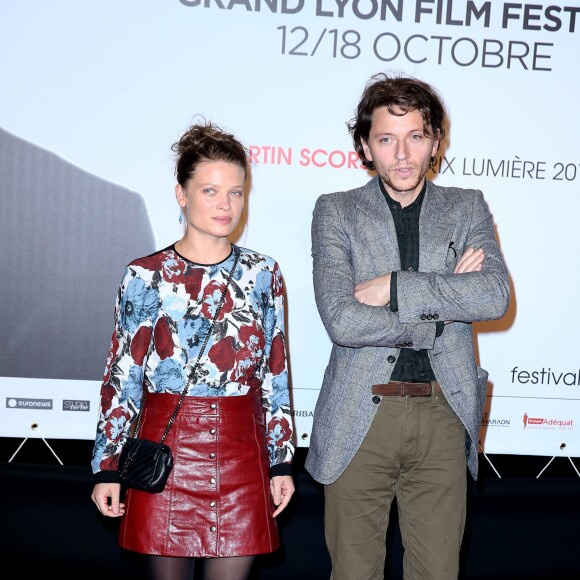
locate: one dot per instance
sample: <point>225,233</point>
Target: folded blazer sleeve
<point>347,321</point>
<point>467,297</point>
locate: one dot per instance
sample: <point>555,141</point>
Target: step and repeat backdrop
<point>94,93</point>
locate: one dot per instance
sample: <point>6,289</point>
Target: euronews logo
<point>36,404</point>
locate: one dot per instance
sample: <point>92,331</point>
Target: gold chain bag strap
<point>146,464</point>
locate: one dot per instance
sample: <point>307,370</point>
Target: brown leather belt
<point>405,389</point>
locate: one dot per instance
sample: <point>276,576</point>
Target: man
<point>402,268</point>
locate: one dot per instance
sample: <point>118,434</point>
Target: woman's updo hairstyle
<point>206,142</point>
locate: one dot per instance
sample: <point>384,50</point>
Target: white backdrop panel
<point>108,86</point>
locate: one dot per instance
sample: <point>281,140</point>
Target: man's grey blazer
<point>354,239</point>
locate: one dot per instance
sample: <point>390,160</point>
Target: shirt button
<point>376,400</point>
<point>212,431</point>
<point>212,480</point>
<point>212,455</point>
<point>212,529</point>
<point>212,504</point>
<point>213,406</point>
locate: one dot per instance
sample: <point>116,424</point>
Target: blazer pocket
<point>451,258</point>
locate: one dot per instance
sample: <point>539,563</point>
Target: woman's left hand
<point>281,488</point>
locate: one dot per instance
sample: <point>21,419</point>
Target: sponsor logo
<point>302,413</point>
<point>551,423</point>
<point>75,405</point>
<point>486,421</point>
<point>19,403</point>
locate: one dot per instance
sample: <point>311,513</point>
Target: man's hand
<point>102,493</point>
<point>375,292</point>
<point>470,261</point>
<point>281,488</point>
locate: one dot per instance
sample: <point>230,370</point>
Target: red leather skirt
<point>217,500</point>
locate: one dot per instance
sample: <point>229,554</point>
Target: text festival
<point>447,12</point>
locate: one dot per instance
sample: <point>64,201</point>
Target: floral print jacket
<point>163,312</point>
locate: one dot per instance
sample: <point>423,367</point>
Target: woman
<point>232,439</point>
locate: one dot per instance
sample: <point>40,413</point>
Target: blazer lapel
<point>435,230</point>
<point>383,245</point>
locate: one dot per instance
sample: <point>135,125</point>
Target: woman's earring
<point>180,216</point>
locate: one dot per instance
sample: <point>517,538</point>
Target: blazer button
<point>376,400</point>
<point>435,316</point>
<point>391,358</point>
<point>410,344</point>
<point>423,317</point>
<point>398,345</point>
<point>429,317</point>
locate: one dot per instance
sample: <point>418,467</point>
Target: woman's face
<point>213,199</point>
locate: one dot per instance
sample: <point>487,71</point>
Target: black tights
<point>167,568</point>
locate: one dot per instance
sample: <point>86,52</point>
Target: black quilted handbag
<point>145,464</point>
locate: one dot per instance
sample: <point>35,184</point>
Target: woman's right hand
<point>106,497</point>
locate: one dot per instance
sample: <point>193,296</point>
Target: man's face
<point>401,152</point>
